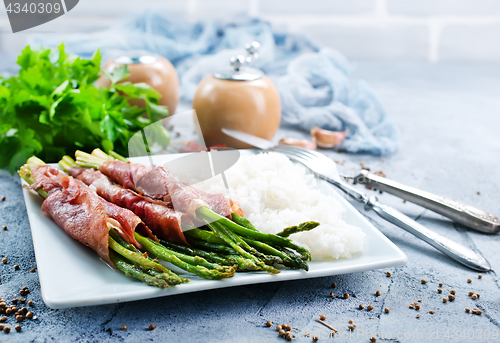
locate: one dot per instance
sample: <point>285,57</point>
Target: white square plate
<point>73,275</point>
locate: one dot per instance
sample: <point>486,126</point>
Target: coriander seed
<point>474,297</point>
<point>346,295</point>
<point>281,333</point>
<point>334,285</point>
<point>480,276</point>
<point>29,315</point>
<point>315,338</point>
<point>453,292</point>
<point>386,310</point>
<point>18,328</point>
<point>350,327</point>
<point>16,267</point>
<point>4,227</point>
<point>440,284</point>
<point>332,295</point>
<point>431,312</point>
<point>14,301</point>
<point>1,327</point>
<point>124,327</point>
<point>369,308</point>
<point>373,339</point>
<point>478,295</point>
<point>361,306</point>
<point>423,281</point>
<point>445,300</point>
<point>412,306</point>
<point>351,321</point>
<point>440,290</point>
<point>5,260</point>
<point>152,327</point>
<point>33,270</point>
<point>278,327</point>
<point>467,309</point>
<point>417,307</point>
<point>451,297</point>
<point>419,300</point>
<point>470,293</point>
<point>418,316</point>
<point>6,329</point>
<point>378,293</point>
<point>3,197</point>
<point>22,300</point>
<point>388,274</point>
<point>322,317</point>
<point>469,280</point>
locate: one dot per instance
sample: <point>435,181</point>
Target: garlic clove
<point>326,138</point>
<point>303,143</point>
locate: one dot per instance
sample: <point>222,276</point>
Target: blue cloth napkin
<point>313,82</point>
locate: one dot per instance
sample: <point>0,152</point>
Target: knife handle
<point>448,247</point>
<point>467,215</point>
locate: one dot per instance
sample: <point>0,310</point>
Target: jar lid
<point>136,57</point>
<point>239,70</point>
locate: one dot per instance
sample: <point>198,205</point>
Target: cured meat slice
<point>157,183</point>
<point>75,208</point>
<point>162,220</point>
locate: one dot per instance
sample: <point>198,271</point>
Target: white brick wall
<point>432,30</point>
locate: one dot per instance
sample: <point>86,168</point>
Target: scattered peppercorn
<point>423,281</point>
<point>451,297</point>
<point>373,339</point>
<point>361,306</point>
<point>469,280</point>
<point>369,308</point>
<point>431,312</point>
<point>453,292</point>
<point>346,295</point>
<point>315,338</point>
<point>269,324</point>
<point>5,260</point>
<point>29,315</point>
<point>418,316</point>
<point>388,274</point>
<point>322,317</point>
<point>152,327</point>
<point>445,300</point>
<point>33,270</point>
<point>480,276</point>
<point>350,327</point>
<point>440,290</point>
<point>474,297</point>
<point>6,329</point>
<point>18,328</point>
<point>16,267</point>
<point>467,309</point>
<point>30,303</point>
<point>386,310</point>
<point>334,285</point>
<point>440,284</point>
<point>378,293</point>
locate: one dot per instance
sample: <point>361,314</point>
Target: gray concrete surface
<point>449,117</point>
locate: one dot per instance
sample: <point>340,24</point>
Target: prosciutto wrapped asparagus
<point>162,220</point>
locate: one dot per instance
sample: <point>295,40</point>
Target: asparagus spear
<point>209,215</point>
<point>306,226</point>
<point>165,254</point>
<point>131,270</point>
<point>242,222</point>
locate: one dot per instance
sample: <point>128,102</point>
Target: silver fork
<point>326,169</point>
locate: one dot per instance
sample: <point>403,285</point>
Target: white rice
<point>275,193</point>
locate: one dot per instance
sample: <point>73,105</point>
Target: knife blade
<point>257,142</point>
